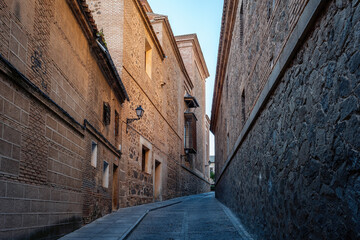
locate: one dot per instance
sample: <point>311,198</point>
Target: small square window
<point>93,153</point>
<point>105,180</point>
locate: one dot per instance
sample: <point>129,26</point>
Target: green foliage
<point>212,175</point>
<point>102,38</point>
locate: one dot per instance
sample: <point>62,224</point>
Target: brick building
<point>165,75</point>
<point>68,154</point>
<point>285,116</point>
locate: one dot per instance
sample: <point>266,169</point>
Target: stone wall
<point>295,173</point>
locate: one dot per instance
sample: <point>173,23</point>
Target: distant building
<point>285,116</point>
<point>212,166</point>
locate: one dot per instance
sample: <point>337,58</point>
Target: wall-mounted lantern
<point>139,112</point>
<point>186,157</point>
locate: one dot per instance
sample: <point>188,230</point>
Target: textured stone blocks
<point>294,154</point>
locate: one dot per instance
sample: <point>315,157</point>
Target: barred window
<point>190,132</point>
<point>106,113</point>
<point>116,123</point>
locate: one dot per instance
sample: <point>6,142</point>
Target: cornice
<point>198,52</point>
<point>227,26</point>
<point>164,19</point>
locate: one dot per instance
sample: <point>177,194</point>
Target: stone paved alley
<point>194,217</point>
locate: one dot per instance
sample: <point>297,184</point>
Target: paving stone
<point>193,217</point>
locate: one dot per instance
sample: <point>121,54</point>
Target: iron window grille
<point>190,133</point>
<point>106,113</point>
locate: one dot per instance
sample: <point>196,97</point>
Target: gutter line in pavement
<point>131,229</point>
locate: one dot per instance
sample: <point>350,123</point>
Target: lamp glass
<point>139,111</point>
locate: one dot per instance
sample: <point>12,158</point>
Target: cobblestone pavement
<point>194,217</point>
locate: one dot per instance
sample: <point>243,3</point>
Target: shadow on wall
<point>56,231</point>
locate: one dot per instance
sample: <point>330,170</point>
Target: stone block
<point>11,111</point>
<point>13,221</point>
<point>12,135</point>
<point>16,62</point>
<point>43,219</point>
<point>22,102</point>
<point>24,118</point>
<point>53,153</point>
<point>5,148</point>
<point>14,46</point>
<point>18,34</point>
<point>55,195</point>
<point>1,106</point>
<point>31,192</point>
<point>21,206</point>
<point>6,91</point>
<point>44,193</point>
<point>15,152</point>
<point>30,220</point>
<point>22,53</point>
<point>37,206</point>
<point>51,122</point>
<point>2,189</point>
<point>9,166</point>
<point>6,205</point>
<point>57,138</point>
<point>15,190</point>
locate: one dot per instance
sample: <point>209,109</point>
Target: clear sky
<point>202,17</point>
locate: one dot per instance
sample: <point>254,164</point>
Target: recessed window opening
<point>148,58</point>
<point>228,143</point>
<point>243,106</point>
<point>93,153</point>
<point>106,113</point>
<point>105,179</point>
<point>117,118</point>
<point>145,159</point>
<point>241,25</point>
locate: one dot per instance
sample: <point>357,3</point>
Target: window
<point>117,118</point>
<point>243,106</point>
<point>106,113</point>
<point>145,159</point>
<point>190,132</point>
<point>241,25</point>
<point>228,144</point>
<point>93,153</point>
<point>148,58</point>
<point>105,180</point>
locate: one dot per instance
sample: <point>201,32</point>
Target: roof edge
<point>227,26</point>
<point>193,37</point>
<point>149,27</point>
<point>164,18</point>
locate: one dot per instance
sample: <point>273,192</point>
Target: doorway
<point>115,188</point>
<point>157,181</point>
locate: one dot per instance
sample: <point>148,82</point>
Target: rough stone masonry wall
<point>296,175</point>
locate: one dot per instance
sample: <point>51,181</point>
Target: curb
<point>236,222</point>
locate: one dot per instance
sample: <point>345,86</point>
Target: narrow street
<point>194,217</point>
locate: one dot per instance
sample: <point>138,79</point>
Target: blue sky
<point>202,17</point>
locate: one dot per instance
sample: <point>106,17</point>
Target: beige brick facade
<point>61,164</point>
